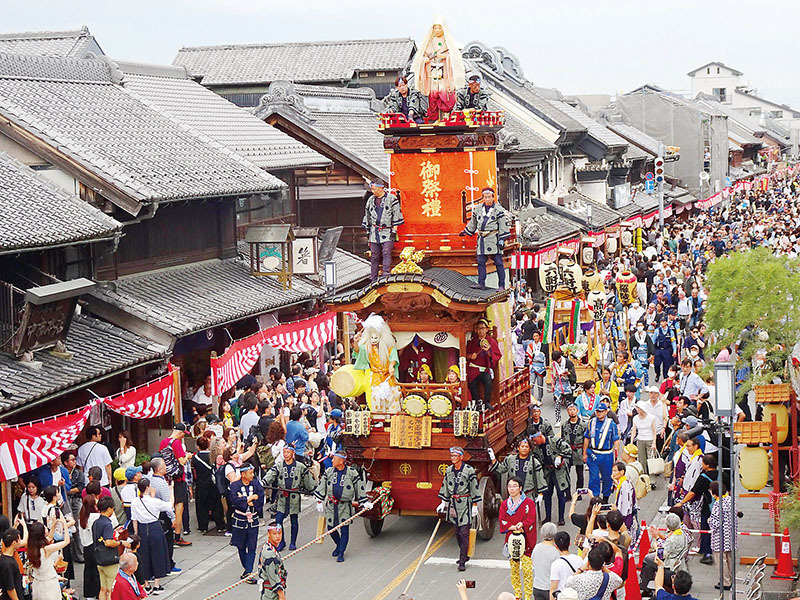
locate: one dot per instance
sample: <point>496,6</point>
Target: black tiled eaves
<point>100,349</point>
<point>36,214</point>
<point>452,284</point>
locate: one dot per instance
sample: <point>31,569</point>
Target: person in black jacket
<point>206,496</point>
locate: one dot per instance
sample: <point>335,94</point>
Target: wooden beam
<point>29,141</point>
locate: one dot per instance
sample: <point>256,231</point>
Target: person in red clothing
<point>413,357</point>
<point>518,515</point>
<point>125,585</point>
<point>483,354</point>
<point>174,445</point>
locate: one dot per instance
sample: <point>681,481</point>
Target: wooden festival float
<point>438,171</point>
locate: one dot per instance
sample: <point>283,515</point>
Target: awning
<point>533,260</point>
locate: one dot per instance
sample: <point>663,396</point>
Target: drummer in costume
<point>518,517</point>
<point>572,432</point>
<point>294,478</point>
<point>271,571</point>
<point>459,500</point>
<point>600,442</point>
<point>524,466</point>
<point>338,488</point>
<point>483,354</point>
<point>555,464</point>
<point>247,497</point>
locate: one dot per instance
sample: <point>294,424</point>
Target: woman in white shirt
<point>126,453</point>
<point>644,432</point>
<point>153,553</point>
<point>31,504</point>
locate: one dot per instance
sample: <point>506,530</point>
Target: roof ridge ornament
<point>282,94</point>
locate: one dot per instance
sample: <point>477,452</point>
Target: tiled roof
<point>528,138</point>
<point>309,62</point>
<point>170,90</point>
<point>550,111</point>
<point>350,269</point>
<point>598,131</point>
<point>635,136</point>
<point>37,214</point>
<point>75,106</point>
<point>574,208</point>
<point>172,300</point>
<point>100,350</point>
<point>549,226</point>
<point>343,118</point>
<point>630,210</point>
<point>452,284</point>
<point>49,43</point>
<point>647,202</point>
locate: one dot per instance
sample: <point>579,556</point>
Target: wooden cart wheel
<point>488,508</point>
<point>373,526</point>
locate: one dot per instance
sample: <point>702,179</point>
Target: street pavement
<point>379,568</point>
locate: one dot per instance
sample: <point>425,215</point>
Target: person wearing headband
<point>554,453</point>
<point>338,488</point>
<point>291,478</point>
<point>247,498</point>
<point>492,224</point>
<point>459,500</point>
<point>524,465</point>
<point>472,96</point>
<point>270,565</point>
<point>382,217</point>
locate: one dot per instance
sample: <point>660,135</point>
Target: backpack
<point>222,482</point>
<point>265,457</point>
<point>174,467</point>
<point>642,484</point>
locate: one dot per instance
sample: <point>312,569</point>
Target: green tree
<point>755,290</point>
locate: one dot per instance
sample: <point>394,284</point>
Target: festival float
<point>428,306</point>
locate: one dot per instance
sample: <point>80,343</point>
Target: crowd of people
<point>644,412</point>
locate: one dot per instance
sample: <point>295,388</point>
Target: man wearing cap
<point>524,465</point>
<point>555,453</point>
<point>382,217</point>
<point>129,492</point>
<point>600,443</point>
<point>247,498</point>
<point>666,348</point>
<point>459,500</point>
<point>271,570</point>
<point>291,478</point>
<point>493,226</point>
<point>572,432</point>
<point>483,354</point>
<point>338,488</point>
<point>174,444</point>
<point>472,96</point>
<point>121,482</point>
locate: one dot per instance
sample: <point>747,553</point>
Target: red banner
<point>303,336</point>
<point>27,447</point>
<point>238,359</point>
<point>151,400</point>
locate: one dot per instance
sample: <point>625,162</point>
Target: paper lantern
<point>587,255</point>
<point>626,287</point>
<point>596,301</point>
<point>594,280</point>
<point>626,238</point>
<point>782,418</point>
<point>753,468</point>
<point>611,245</point>
<point>571,275</point>
<point>549,277</point>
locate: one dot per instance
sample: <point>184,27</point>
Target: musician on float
<point>407,101</point>
<point>483,354</point>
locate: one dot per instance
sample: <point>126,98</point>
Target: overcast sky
<point>577,46</point>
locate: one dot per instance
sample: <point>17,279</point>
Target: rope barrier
<point>753,533</point>
<point>288,556</point>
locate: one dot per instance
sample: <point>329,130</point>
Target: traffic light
<point>658,169</point>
